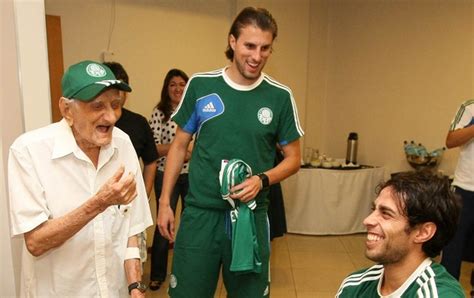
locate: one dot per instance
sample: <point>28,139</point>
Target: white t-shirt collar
<point>239,87</point>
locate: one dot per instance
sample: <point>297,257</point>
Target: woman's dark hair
<point>259,17</point>
<point>427,197</point>
<point>165,102</point>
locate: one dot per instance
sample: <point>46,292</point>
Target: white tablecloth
<point>325,202</point>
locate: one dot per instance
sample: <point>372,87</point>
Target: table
<point>330,202</point>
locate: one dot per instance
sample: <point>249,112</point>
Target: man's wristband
<point>265,181</point>
<point>132,253</point>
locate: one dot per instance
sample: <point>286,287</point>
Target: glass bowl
<point>421,162</point>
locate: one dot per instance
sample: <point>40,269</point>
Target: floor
<point>310,266</point>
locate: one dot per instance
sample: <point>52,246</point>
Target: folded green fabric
<point>245,256</point>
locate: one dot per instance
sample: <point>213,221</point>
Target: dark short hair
<point>165,101</point>
<point>118,70</point>
<point>259,17</point>
<point>427,197</point>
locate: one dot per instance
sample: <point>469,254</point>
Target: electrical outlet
<point>107,56</point>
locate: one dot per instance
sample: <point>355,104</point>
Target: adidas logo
<point>209,108</point>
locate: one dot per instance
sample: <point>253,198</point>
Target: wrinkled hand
<point>165,222</point>
<point>246,190</point>
<point>116,192</point>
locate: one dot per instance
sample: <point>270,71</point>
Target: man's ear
<point>65,109</point>
<point>232,41</point>
<point>425,232</point>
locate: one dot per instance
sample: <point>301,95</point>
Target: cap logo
<point>95,70</point>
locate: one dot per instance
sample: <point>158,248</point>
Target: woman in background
<point>164,130</point>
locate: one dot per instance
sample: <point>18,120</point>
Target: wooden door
<point>56,64</point>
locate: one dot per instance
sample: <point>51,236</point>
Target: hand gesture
<point>116,192</point>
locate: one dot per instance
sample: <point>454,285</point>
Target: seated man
<point>414,216</point>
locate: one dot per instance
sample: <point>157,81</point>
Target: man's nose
<point>257,55</point>
<point>111,115</point>
<point>369,220</point>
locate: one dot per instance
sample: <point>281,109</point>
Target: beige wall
<point>11,125</point>
<point>389,70</point>
<point>397,70</point>
<point>150,37</point>
<point>33,64</point>
<point>24,105</point>
<point>316,93</point>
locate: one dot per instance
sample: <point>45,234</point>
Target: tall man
<point>461,134</point>
<point>77,195</point>
<point>414,216</point>
<point>236,112</point>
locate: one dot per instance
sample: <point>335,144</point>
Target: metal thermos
<point>351,153</point>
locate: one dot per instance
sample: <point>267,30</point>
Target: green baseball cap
<point>87,79</point>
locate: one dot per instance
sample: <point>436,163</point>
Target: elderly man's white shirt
<point>50,176</point>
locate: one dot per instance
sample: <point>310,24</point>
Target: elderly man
<point>77,195</point>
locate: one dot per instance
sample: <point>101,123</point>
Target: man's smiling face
<point>389,237</point>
